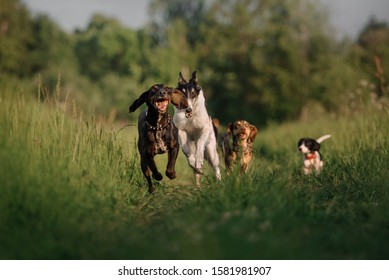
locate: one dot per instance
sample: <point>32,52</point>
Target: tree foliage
<point>107,47</point>
<point>266,56</point>
<point>260,60</point>
<point>15,38</point>
<point>373,43</point>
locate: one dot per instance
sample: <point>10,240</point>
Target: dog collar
<point>310,156</point>
<point>158,127</point>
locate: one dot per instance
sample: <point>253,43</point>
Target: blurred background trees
<point>16,39</point>
<point>264,61</point>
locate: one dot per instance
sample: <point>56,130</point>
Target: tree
<point>264,55</point>
<point>107,47</point>
<point>30,45</point>
<point>51,48</point>
<point>374,44</point>
<point>15,38</point>
<point>189,13</point>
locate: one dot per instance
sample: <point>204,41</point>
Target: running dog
<point>157,133</point>
<point>312,159</point>
<point>196,132</point>
<point>237,144</point>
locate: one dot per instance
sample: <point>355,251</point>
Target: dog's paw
<point>157,176</point>
<point>199,167</point>
<point>218,175</point>
<point>198,171</point>
<point>171,175</point>
<point>151,190</point>
<point>192,161</point>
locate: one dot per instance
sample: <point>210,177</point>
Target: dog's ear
<point>226,149</point>
<point>230,128</point>
<point>177,98</point>
<point>194,79</point>
<point>253,133</point>
<point>138,102</point>
<point>315,146</point>
<point>181,79</point>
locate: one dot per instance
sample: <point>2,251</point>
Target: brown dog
<point>242,135</point>
<point>157,133</point>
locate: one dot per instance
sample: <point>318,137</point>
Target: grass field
<point>72,189</point>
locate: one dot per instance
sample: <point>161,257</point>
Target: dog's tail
<point>324,137</point>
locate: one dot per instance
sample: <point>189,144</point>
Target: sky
<point>347,16</point>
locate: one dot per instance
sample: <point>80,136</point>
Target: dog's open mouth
<point>243,135</point>
<point>161,105</point>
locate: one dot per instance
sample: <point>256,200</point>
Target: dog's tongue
<point>161,105</point>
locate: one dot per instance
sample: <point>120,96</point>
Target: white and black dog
<point>312,159</point>
<point>196,132</point>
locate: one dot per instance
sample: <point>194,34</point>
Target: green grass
<point>72,189</point>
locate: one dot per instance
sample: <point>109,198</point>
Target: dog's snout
<point>188,112</point>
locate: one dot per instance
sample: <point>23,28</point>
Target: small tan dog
<point>242,135</point>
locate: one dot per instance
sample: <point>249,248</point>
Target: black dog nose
<point>188,110</point>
